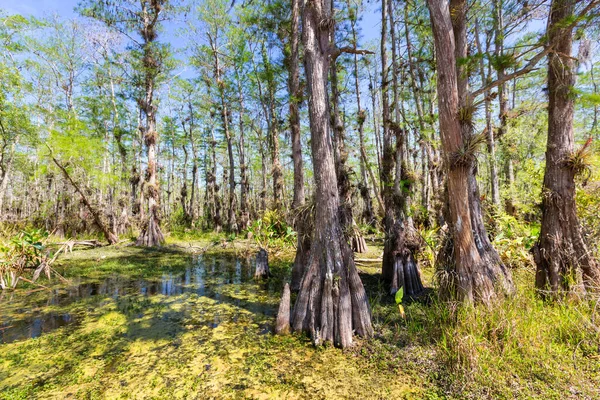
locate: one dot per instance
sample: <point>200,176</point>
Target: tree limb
<point>532,63</point>
<point>337,51</point>
<point>530,66</point>
<point>110,237</point>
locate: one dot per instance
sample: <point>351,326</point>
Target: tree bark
<point>6,160</point>
<point>282,325</point>
<point>365,192</point>
<point>191,207</point>
<point>303,237</point>
<point>489,128</point>
<point>340,153</point>
<point>262,265</point>
<point>184,189</point>
<point>561,249</point>
<point>151,234</point>
<point>231,209</point>
<point>398,234</point>
<point>244,183</point>
<point>475,269</point>
<point>214,203</point>
<point>332,302</point>
<point>295,96</point>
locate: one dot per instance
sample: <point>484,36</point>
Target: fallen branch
<point>70,244</point>
<point>110,237</point>
<point>368,260</point>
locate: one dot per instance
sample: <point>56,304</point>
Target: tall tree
<point>398,266</point>
<point>14,114</point>
<point>475,270</point>
<point>213,38</point>
<point>332,302</point>
<point>143,18</point>
<point>361,116</point>
<point>561,249</point>
<point>295,93</point>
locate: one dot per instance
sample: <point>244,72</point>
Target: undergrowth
<point>520,347</point>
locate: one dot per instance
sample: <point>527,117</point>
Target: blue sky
<point>39,8</point>
<point>65,8</point>
<point>370,23</point>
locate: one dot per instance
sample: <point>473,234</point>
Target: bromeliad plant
<point>25,252</point>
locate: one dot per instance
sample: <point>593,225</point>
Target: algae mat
<point>144,324</point>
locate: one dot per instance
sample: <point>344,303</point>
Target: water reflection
<point>215,278</point>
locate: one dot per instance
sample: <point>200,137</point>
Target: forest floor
<point>189,321</point>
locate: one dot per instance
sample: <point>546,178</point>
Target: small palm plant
<point>25,252</point>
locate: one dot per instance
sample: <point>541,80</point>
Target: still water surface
<point>25,315</point>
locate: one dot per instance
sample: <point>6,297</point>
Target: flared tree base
<point>151,235</point>
<point>562,258</point>
<point>400,268</point>
<point>479,279</point>
<point>331,303</point>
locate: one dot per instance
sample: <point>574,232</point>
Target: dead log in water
<point>262,265</point>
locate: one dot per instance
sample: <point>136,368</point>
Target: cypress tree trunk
<point>503,106</point>
<point>5,166</point>
<point>301,226</point>
<point>398,245</point>
<point>231,217</point>
<point>244,183</point>
<point>214,203</point>
<point>263,170</point>
<point>489,128</point>
<point>365,192</point>
<point>561,249</point>
<point>184,190</point>
<point>340,153</point>
<point>192,202</point>
<point>474,270</point>
<point>151,234</point>
<point>332,302</point>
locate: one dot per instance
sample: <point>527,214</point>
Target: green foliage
<point>588,208</point>
<point>399,295</point>
<point>272,231</point>
<point>467,153</point>
<point>522,344</point>
<point>398,298</point>
<point>429,251</point>
<point>25,251</point>
<point>580,161</point>
<point>514,239</point>
<point>520,347</point>
<point>589,99</point>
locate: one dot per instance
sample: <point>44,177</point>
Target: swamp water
<point>156,324</point>
<point>220,281</point>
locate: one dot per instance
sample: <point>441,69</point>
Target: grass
<point>167,346</point>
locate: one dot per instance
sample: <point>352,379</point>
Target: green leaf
<point>399,295</point>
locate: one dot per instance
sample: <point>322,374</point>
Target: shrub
<point>272,230</point>
<point>25,252</point>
